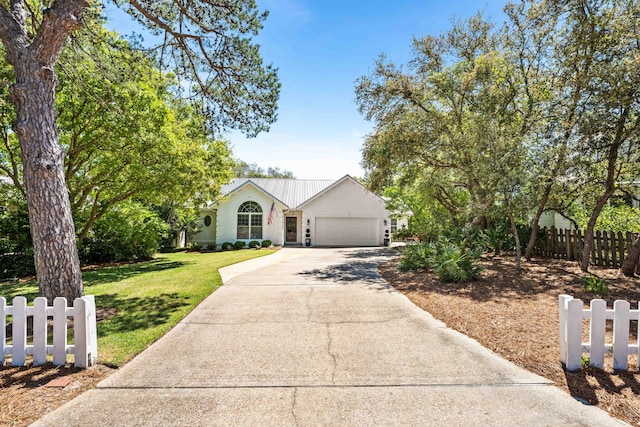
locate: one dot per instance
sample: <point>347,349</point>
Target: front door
<point>292,229</point>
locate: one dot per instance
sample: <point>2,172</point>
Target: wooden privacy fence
<point>83,313</point>
<point>571,345</point>
<point>609,248</point>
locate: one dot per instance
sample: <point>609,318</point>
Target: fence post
<point>60,331</point>
<point>19,332</point>
<point>3,328</point>
<point>84,321</point>
<point>562,306</point>
<point>597,332</point>
<point>620,334</point>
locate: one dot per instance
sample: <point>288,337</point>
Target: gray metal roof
<point>291,192</point>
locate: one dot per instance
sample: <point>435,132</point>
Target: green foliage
<point>239,244</point>
<point>417,256</point>
<point>495,239</point>
<point>595,285</point>
<point>16,249</point>
<point>246,170</point>
<point>267,243</point>
<point>254,244</point>
<point>226,246</point>
<point>451,259</point>
<point>614,217</point>
<point>402,234</point>
<point>127,233</point>
<point>453,263</point>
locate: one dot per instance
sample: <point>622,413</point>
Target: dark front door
<point>292,229</point>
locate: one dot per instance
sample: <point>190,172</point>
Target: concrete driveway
<point>310,337</point>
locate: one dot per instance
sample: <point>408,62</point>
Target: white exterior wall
<point>346,199</point>
<point>206,236</point>
<point>228,216</point>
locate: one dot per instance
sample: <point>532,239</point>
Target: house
<point>296,212</point>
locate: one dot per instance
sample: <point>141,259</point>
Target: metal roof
<point>291,192</point>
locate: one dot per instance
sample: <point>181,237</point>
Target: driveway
<point>316,337</point>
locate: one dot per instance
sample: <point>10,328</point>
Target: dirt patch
<point>24,397</point>
<point>516,316</point>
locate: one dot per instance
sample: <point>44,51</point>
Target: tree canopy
<point>502,123</point>
<point>219,73</point>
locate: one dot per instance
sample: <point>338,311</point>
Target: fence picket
<point>19,332</point>
<point>40,331</point>
<point>597,332</point>
<point>620,334</point>
<point>60,331</point>
<point>609,249</point>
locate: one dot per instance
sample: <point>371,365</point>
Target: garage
<point>346,231</point>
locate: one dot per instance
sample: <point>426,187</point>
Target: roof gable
<point>289,192</point>
<point>337,183</point>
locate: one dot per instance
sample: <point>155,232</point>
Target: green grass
<point>148,298</point>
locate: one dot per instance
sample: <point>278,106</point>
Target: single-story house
<point>297,212</point>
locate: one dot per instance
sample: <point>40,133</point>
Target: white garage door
<point>346,232</point>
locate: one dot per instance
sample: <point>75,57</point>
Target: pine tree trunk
<point>52,228</point>
<point>33,95</point>
<point>629,265</point>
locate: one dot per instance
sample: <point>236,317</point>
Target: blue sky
<point>321,48</point>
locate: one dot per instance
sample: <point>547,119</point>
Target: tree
<point>454,119</point>
<point>246,170</point>
<point>206,44</point>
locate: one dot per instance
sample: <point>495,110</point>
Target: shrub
<point>239,244</point>
<point>194,246</point>
<point>595,285</point>
<point>227,246</point>
<point>127,233</point>
<point>416,256</point>
<point>17,265</point>
<point>254,244</point>
<point>266,243</point>
<point>452,263</point>
<point>401,234</point>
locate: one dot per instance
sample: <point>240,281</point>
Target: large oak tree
<point>207,44</point>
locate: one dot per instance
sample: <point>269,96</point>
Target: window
<point>394,225</point>
<point>249,221</point>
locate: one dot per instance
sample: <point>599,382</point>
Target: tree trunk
<point>629,265</point>
<point>534,223</point>
<point>516,237</point>
<point>33,95</point>
<point>52,228</point>
<point>589,232</point>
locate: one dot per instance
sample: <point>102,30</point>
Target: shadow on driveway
<point>360,265</point>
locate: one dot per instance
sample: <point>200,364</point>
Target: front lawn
<point>138,303</point>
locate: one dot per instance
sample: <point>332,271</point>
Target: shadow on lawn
<point>584,390</point>
<point>122,272</point>
<point>137,313</point>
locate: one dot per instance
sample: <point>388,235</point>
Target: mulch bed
<point>516,316</point>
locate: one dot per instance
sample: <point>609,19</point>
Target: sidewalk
<point>315,337</point>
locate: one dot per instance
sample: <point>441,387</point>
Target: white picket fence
<point>83,312</point>
<point>571,346</point>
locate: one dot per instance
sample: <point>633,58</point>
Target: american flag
<point>271,212</point>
